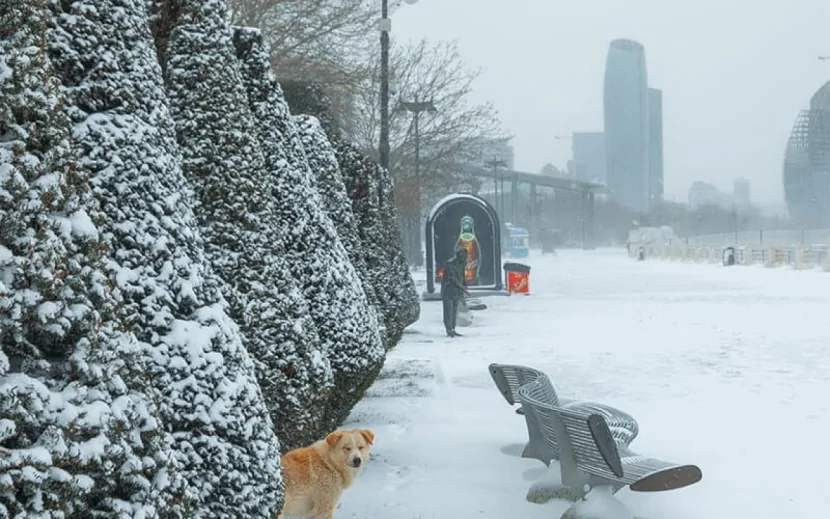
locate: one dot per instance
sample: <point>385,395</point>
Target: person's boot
<point>450,333</point>
<point>456,334</point>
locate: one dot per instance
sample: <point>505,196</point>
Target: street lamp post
<point>385,29</point>
<point>416,107</point>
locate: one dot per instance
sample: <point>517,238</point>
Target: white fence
<point>763,238</point>
<point>798,257</point>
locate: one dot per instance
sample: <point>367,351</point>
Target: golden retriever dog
<point>316,476</point>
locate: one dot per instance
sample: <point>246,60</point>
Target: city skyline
<point>734,75</point>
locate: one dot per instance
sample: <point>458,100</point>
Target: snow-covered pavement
<point>727,368</point>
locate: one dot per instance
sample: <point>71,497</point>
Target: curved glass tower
<point>625,107</point>
<point>807,164</point>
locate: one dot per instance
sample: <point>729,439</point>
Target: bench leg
<point>535,452</point>
<point>598,503</point>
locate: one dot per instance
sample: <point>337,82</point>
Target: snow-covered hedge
<point>182,273</point>
<point>370,190</point>
<point>313,249</point>
<point>404,293</point>
<point>78,428</point>
<point>225,162</point>
<point>337,204</point>
<point>170,295</point>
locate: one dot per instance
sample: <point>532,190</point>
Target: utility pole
<point>497,163</point>
<point>416,107</point>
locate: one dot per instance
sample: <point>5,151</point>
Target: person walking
<point>453,289</point>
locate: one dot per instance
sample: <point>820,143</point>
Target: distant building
<point>655,144</point>
<point>807,164</point>
<point>625,113</point>
<point>589,157</point>
<point>703,194</point>
<point>740,191</point>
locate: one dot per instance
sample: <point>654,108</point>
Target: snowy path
<point>726,368</point>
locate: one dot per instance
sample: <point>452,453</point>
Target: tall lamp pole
<point>385,29</point>
<point>416,107</point>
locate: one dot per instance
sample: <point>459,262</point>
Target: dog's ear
<point>368,435</point>
<point>333,438</point>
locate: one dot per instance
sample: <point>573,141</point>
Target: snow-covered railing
<point>798,257</point>
<point>789,238</point>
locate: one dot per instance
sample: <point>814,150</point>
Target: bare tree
<point>334,43</point>
<point>325,41</point>
<point>451,138</point>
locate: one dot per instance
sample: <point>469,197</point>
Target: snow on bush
<point>370,190</point>
<point>314,252</point>
<point>383,257</point>
<point>78,432</point>
<point>238,217</point>
<point>337,204</point>
<point>171,298</point>
<point>405,292</point>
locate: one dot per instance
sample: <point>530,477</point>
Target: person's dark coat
<point>453,285</point>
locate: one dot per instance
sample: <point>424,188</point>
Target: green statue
<point>467,240</point>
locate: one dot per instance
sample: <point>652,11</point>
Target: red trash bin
<point>517,278</point>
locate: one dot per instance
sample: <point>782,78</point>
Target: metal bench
<point>590,455</point>
<point>509,378</point>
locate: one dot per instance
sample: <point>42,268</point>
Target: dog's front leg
<point>323,509</point>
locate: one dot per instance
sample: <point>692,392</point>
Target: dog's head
<point>350,447</point>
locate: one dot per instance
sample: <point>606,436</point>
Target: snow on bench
<point>509,378</point>
<point>590,454</point>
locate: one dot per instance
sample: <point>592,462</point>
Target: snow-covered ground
<point>728,368</point>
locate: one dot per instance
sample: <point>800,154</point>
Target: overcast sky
<point>734,74</point>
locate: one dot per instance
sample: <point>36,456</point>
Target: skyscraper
<point>625,107</point>
<point>807,164</point>
<point>589,156</point>
<point>655,144</point>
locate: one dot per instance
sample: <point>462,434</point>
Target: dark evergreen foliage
<point>370,190</point>
<point>314,251</point>
<point>223,159</point>
<point>79,434</point>
<point>171,298</point>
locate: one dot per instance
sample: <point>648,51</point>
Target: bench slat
<point>509,378</point>
<point>623,425</point>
